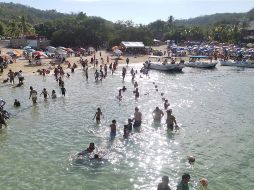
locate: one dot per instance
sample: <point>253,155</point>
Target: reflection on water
<point>212,108</point>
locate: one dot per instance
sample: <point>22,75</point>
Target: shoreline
<point>22,64</point>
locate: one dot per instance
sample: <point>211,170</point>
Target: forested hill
<point>11,11</point>
<point>226,18</point>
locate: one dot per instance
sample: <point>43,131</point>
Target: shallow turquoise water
<point>214,109</point>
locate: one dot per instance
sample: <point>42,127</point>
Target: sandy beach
<point>22,64</point>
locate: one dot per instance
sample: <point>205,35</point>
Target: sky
<point>141,11</point>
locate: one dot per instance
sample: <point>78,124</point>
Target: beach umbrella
<point>40,54</point>
<point>69,50</point>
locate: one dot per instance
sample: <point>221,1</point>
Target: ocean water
<point>214,109</point>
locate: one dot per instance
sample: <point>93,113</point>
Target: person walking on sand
<point>33,95</point>
<point>11,75</point>
<point>98,115</point>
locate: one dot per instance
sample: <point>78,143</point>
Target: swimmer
<point>113,129</point>
<point>45,93</point>
<point>170,120</point>
<point>2,120</point>
<point>98,115</point>
<point>33,94</point>
<point>164,184</point>
<point>53,95</point>
<point>125,131</point>
<point>68,75</point>
<point>124,88</point>
<point>183,185</point>
<point>137,118</point>
<point>166,104</point>
<point>89,150</point>
<point>96,157</point>
<point>203,182</point>
<point>157,114</point>
<point>16,103</point>
<point>191,160</point>
<point>63,90</point>
<point>135,84</point>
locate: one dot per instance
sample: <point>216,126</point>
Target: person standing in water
<point>53,95</point>
<point>164,184</point>
<point>98,115</point>
<point>137,118</point>
<point>16,103</point>
<point>166,104</point>
<point>63,90</point>
<point>45,93</point>
<point>113,129</point>
<point>86,72</point>
<point>183,185</point>
<point>157,114</point>
<point>33,95</point>
<point>170,120</point>
<point>124,73</point>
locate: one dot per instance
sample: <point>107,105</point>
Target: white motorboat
<point>245,63</point>
<point>163,64</point>
<point>201,62</point>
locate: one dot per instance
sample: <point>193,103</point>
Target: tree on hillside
<point>1,29</point>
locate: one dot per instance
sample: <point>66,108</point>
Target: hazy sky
<point>141,11</point>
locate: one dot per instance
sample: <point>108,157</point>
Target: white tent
<point>133,44</point>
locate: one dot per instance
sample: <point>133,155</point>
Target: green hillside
<point>11,11</point>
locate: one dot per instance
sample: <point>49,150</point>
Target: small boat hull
<point>246,64</point>
<point>203,65</point>
<point>164,67</point>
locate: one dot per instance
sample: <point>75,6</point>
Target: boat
<point>162,63</point>
<point>244,63</point>
<point>201,61</point>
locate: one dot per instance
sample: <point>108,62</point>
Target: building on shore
<point>36,42</point>
<point>132,47</point>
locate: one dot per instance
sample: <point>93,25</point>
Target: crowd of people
<point>101,72</point>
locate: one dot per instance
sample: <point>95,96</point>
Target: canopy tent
<point>132,44</point>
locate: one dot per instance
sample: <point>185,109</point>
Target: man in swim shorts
<point>137,118</point>
<point>33,94</point>
<point>170,120</point>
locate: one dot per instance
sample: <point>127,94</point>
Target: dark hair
<point>113,121</point>
<point>165,178</point>
<point>186,176</point>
